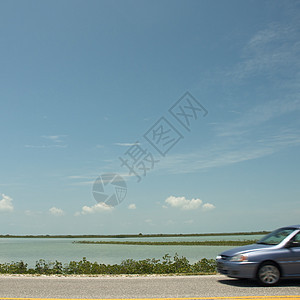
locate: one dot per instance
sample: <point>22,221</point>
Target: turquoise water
<point>62,249</point>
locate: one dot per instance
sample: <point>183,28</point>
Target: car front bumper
<point>236,269</point>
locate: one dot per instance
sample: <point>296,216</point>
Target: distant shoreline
<point>181,243</point>
<point>140,235</point>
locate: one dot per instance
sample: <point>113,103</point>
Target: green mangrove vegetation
<point>166,265</point>
<point>173,243</point>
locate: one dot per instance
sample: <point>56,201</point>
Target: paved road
<point>137,287</point>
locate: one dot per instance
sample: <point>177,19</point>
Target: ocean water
<point>64,250</point>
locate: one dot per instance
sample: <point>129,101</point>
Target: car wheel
<point>268,274</point>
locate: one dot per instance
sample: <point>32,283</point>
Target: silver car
<point>275,256</point>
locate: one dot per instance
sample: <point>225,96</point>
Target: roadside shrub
<point>205,266</point>
<point>167,265</point>
<point>13,268</point>
<point>42,267</point>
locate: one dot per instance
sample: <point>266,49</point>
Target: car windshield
<point>276,237</point>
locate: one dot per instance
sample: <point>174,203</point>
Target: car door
<point>292,258</point>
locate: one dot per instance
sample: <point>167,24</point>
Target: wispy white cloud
<point>45,146</point>
<point>28,212</point>
<point>54,138</point>
<point>227,152</point>
<point>208,206</point>
<point>132,206</point>
<point>83,183</point>
<point>257,116</point>
<point>271,58</point>
<point>271,123</point>
<point>80,177</point>
<point>31,213</point>
<point>57,212</point>
<point>82,180</point>
<point>126,144</point>
<point>54,141</point>
<point>271,51</point>
<point>188,222</point>
<point>85,180</point>
<point>6,204</point>
<point>149,221</point>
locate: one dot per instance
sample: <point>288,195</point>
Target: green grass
<point>166,265</point>
<point>176,243</point>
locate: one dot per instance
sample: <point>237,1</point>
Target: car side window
<point>297,238</point>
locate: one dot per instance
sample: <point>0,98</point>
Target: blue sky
<point>83,81</point>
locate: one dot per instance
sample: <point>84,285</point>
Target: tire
<point>268,274</point>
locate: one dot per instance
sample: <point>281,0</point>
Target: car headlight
<point>239,257</point>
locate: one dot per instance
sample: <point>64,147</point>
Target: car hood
<point>247,248</point>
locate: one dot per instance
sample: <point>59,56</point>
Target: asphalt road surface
<point>113,287</point>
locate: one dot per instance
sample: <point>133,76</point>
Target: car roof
<point>292,226</point>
